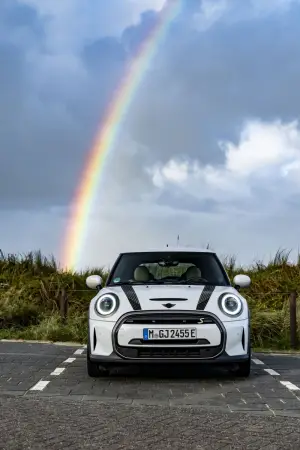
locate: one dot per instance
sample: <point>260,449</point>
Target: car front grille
<point>178,349</point>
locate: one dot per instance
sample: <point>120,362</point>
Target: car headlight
<point>230,304</point>
<point>107,304</point>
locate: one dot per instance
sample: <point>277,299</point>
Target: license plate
<point>169,333</point>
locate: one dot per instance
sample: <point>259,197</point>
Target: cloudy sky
<point>209,150</point>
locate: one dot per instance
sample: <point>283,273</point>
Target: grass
<point>32,284</point>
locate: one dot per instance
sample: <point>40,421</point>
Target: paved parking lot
<point>48,401</point>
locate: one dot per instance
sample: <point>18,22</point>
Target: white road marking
<point>69,360</point>
<point>39,386</point>
<point>258,394</point>
<point>58,371</point>
<point>271,372</point>
<point>270,409</point>
<point>257,361</point>
<point>79,351</point>
<point>290,386</point>
<point>244,401</point>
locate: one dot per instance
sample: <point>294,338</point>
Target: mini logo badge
<point>169,305</point>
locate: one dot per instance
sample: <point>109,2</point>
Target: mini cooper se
<point>168,306</point>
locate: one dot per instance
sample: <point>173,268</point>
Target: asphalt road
<point>47,401</point>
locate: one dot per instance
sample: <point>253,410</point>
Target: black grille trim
<point>132,297</point>
<point>173,342</point>
<point>204,297</point>
<point>175,353</point>
<point>172,318</point>
<point>168,299</point>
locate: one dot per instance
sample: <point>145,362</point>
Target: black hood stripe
<point>204,297</point>
<point>132,297</point>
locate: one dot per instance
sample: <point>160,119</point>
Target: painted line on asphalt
<point>58,371</point>
<point>69,360</point>
<point>257,361</point>
<point>290,386</point>
<point>272,372</point>
<point>79,351</point>
<point>40,385</point>
<point>270,409</point>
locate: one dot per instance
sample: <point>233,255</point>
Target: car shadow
<point>180,372</point>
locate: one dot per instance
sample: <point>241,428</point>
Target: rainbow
<point>107,135</point>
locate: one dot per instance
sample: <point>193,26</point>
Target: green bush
<point>31,286</point>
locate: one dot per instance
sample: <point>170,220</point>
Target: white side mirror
<point>241,281</point>
<point>94,282</point>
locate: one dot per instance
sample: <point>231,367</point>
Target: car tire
<point>95,370</point>
<point>244,368</point>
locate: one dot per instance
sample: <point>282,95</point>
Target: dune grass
<point>31,286</point>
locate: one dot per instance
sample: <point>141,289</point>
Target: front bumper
<point>122,342</point>
<point>115,359</point>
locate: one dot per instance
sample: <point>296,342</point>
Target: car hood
<point>156,297</point>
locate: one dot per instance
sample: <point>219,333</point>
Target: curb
<point>66,344</point>
<point>276,352</point>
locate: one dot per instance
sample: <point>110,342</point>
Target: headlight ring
<point>107,304</point>
<point>230,304</point>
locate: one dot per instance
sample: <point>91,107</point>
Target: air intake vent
<point>243,339</point>
<point>95,339</point>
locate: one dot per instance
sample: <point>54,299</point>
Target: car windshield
<point>168,268</point>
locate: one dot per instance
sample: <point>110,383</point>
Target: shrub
<point>31,286</point>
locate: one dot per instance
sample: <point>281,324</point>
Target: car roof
<point>172,249</point>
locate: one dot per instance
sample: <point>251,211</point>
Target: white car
<point>168,306</point>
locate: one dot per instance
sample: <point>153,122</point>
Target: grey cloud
<point>199,90</point>
<point>50,110</point>
<point>206,87</point>
<point>187,202</point>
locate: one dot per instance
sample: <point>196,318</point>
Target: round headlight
<point>107,304</point>
<point>230,304</point>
